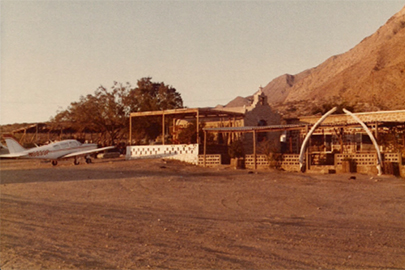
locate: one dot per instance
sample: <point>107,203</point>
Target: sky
<point>54,52</point>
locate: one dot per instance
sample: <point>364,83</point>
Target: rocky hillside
<point>371,76</point>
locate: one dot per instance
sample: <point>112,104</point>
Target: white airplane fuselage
<point>54,151</point>
<point>58,149</point>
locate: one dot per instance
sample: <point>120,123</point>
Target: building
<point>341,138</point>
<point>339,144</point>
<point>258,113</point>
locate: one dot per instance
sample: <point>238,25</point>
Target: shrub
<point>236,149</point>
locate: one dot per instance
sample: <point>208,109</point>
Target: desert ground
<point>139,214</point>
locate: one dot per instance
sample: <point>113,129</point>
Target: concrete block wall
<point>289,162</point>
<point>210,160</point>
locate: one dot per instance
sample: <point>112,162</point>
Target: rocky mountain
<point>370,76</point>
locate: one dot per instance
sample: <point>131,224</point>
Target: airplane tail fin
<point>13,145</point>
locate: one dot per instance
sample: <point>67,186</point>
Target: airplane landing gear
<point>76,162</point>
<point>88,159</point>
<point>54,162</point>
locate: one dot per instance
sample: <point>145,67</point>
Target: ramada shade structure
<point>200,114</point>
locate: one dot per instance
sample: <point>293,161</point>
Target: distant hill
<point>238,102</point>
<point>371,76</point>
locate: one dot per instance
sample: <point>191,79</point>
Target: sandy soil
<point>115,214</point>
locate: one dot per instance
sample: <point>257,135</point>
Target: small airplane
<point>53,151</point>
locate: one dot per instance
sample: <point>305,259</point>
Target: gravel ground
<point>117,214</point>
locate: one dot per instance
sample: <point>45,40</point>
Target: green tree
<point>108,111</point>
<point>151,96</point>
<point>102,112</point>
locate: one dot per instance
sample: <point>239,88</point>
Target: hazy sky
<point>53,52</point>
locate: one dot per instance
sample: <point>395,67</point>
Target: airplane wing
<point>82,153</point>
<point>15,155</point>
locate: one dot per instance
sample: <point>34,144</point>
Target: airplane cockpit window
<point>65,145</point>
<point>74,144</point>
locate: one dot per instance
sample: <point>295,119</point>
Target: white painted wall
<point>183,152</point>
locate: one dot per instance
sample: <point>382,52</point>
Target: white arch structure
<point>304,143</point>
<point>371,137</point>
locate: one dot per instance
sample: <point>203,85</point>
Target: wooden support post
<point>205,148</point>
<point>36,134</point>
<point>254,150</point>
<point>130,131</point>
<point>174,131</point>
<point>198,127</point>
<point>291,144</point>
<point>163,129</point>
<point>376,130</point>
<point>22,140</point>
<point>307,149</point>
<point>233,125</point>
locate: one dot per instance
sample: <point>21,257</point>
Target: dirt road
<point>115,214</point>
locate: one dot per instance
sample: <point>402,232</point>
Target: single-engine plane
<point>54,151</point>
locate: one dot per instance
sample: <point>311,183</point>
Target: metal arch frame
<point>304,143</point>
